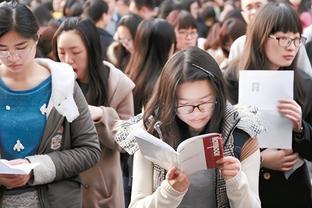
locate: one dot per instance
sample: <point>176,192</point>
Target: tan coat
<point>102,184</point>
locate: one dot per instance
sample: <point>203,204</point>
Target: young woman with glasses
<point>189,99</point>
<point>185,27</point>
<point>272,43</point>
<point>44,119</point>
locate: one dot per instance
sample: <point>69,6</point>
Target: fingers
<point>229,167</point>
<point>288,165</point>
<point>291,110</point>
<point>17,161</point>
<point>291,157</point>
<point>172,173</point>
<point>14,181</point>
<point>177,179</point>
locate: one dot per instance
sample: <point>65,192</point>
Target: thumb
<point>171,173</point>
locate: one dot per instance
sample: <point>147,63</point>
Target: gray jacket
<point>69,145</point>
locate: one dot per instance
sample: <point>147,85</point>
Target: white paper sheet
<point>263,88</point>
<point>24,168</point>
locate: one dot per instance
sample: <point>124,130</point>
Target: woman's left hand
<point>292,110</point>
<point>229,167</point>
<point>96,112</point>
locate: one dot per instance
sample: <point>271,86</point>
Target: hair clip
<point>204,70</point>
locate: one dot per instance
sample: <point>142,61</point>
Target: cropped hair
<point>19,18</point>
<point>151,4</point>
<point>94,9</point>
<point>182,19</point>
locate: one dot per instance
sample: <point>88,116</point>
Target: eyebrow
<point>73,47</point>
<point>206,96</point>
<point>18,44</point>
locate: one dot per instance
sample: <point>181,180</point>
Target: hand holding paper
<point>264,89</point>
<point>15,173</point>
<point>9,167</point>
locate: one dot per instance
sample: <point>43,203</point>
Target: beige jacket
<point>102,184</point>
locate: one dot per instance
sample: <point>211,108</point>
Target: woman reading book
<point>190,99</point>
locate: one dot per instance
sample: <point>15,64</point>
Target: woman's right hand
<point>178,179</point>
<point>281,160</point>
<point>15,180</point>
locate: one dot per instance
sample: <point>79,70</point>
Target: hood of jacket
<point>63,80</point>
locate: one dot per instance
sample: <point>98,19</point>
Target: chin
<point>197,127</point>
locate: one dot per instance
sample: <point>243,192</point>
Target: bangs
<point>186,20</point>
<point>286,21</point>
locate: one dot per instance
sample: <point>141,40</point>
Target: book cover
<point>193,154</point>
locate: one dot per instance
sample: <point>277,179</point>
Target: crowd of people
<point>90,72</point>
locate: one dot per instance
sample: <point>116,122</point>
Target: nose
<point>188,36</point>
<point>253,11</point>
<point>196,110</point>
<point>292,46</point>
<point>12,57</point>
<point>68,59</point>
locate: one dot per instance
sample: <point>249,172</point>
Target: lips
<point>288,57</point>
<point>14,65</point>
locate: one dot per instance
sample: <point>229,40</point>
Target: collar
<point>63,82</point>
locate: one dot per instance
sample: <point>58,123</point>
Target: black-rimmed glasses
<point>203,107</point>
<point>286,41</point>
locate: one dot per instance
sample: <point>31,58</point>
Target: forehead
<point>12,38</point>
<point>123,31</point>
<point>70,38</point>
<point>245,3</point>
<point>194,90</point>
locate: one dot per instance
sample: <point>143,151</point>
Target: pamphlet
<point>263,89</point>
<point>196,153</point>
<point>23,168</point>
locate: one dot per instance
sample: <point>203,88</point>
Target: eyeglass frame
<point>302,40</point>
<point>196,106</point>
<point>17,52</point>
<point>185,33</point>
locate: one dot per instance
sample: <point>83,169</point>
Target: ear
<point>41,29</point>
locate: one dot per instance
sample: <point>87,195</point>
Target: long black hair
<point>98,73</point>
<point>18,17</point>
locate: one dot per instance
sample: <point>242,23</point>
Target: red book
<point>196,153</point>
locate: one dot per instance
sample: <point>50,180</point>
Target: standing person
<point>272,43</point>
<point>44,119</point>
<point>119,52</point>
<point>97,10</point>
<point>143,8</point>
<point>109,95</point>
<point>189,99</point>
<point>249,10</point>
<point>154,44</point>
<point>185,27</point>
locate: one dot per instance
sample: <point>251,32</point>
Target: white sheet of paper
<point>263,88</point>
<point>24,168</point>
